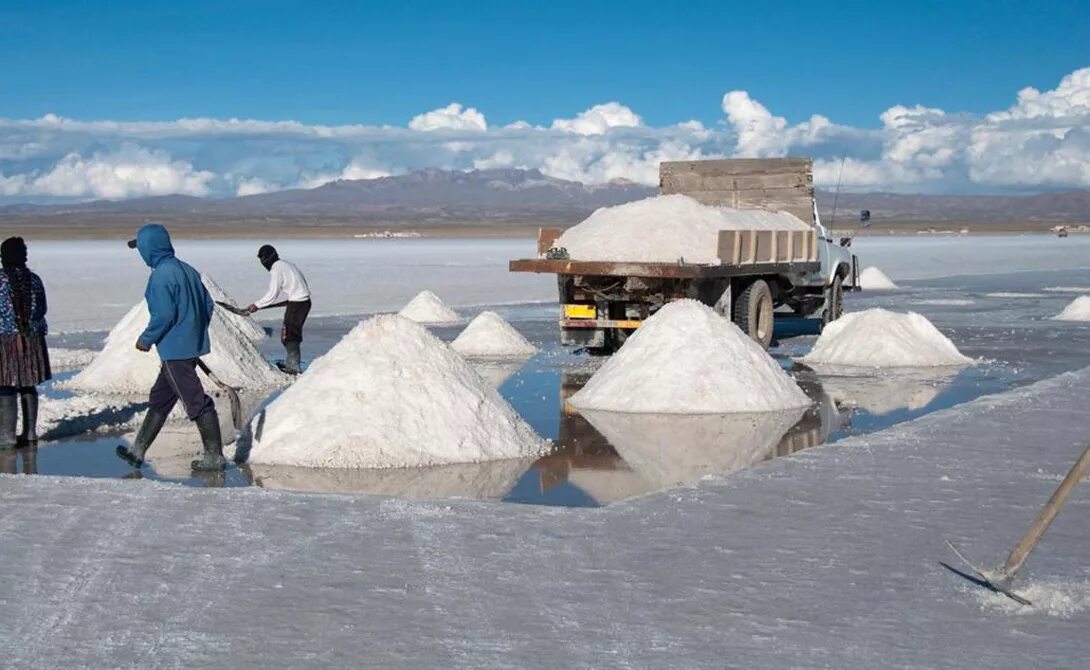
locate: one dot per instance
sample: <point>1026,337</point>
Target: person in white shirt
<point>287,288</point>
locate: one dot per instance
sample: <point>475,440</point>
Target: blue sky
<point>127,99</point>
<point>383,62</point>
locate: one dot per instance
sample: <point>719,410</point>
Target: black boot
<point>212,460</point>
<point>9,414</point>
<point>149,430</point>
<point>29,436</point>
<point>293,359</point>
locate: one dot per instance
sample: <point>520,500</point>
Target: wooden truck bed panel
<point>656,270</point>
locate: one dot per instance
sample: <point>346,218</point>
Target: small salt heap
<point>120,368</point>
<point>390,394</point>
<point>489,336</point>
<point>664,229</point>
<point>686,359</point>
<point>1078,310</point>
<point>873,279</point>
<point>244,323</point>
<point>878,338</point>
<point>428,309</point>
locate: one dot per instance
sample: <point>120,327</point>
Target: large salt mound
<point>878,338</point>
<point>873,279</point>
<point>686,359</point>
<point>1078,310</point>
<point>390,394</point>
<point>664,229</point>
<point>489,336</point>
<point>428,309</point>
<point>120,368</point>
<point>244,323</point>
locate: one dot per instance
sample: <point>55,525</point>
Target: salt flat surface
<point>61,359</point>
<point>91,284</point>
<point>825,559</point>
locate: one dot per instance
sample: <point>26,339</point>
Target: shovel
<point>1000,579</point>
<point>232,394</point>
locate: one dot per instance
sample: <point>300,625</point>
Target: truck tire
<point>835,309</point>
<point>753,312</point>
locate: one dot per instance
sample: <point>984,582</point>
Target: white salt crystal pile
<point>244,323</point>
<point>664,229</point>
<point>428,309</point>
<point>61,359</point>
<point>489,336</point>
<point>390,394</point>
<point>120,368</point>
<point>873,279</point>
<point>878,338</point>
<point>1078,310</point>
<point>686,359</point>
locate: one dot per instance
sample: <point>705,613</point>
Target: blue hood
<point>153,243</point>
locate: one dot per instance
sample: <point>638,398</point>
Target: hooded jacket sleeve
<point>163,310</point>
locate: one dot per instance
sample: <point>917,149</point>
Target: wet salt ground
<point>1014,336</point>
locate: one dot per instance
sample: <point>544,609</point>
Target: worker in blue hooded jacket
<point>181,310</point>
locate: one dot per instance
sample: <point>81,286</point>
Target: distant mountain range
<point>436,197</point>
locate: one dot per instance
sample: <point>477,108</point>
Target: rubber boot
<point>9,414</point>
<point>292,364</point>
<point>149,430</point>
<point>212,460</point>
<point>29,436</point>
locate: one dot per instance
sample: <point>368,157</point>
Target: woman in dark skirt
<point>24,359</point>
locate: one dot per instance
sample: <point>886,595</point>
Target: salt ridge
<point>878,338</point>
<point>390,394</point>
<point>428,309</point>
<point>664,229</point>
<point>686,359</point>
<point>489,336</point>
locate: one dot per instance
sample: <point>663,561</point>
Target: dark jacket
<point>180,306</point>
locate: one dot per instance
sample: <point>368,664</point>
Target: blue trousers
<point>178,381</point>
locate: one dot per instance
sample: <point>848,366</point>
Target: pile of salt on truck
<point>603,302</point>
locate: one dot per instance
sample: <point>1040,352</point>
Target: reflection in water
<point>463,480</point>
<point>611,456</point>
<point>671,449</point>
<point>498,371</point>
<point>881,392</point>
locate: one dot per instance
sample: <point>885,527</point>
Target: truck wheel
<point>835,308</point>
<point>753,312</point>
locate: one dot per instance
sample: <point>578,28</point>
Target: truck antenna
<point>836,193</point>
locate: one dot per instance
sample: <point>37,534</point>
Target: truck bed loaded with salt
<point>745,239</point>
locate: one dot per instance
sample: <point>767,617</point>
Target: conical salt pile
<point>489,336</point>
<point>120,368</point>
<point>873,279</point>
<point>878,338</point>
<point>686,359</point>
<point>244,323</point>
<point>428,309</point>
<point>1078,310</point>
<point>390,394</point>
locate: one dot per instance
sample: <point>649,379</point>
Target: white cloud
<point>600,118</point>
<point>130,172</point>
<point>1041,141</point>
<point>451,117</point>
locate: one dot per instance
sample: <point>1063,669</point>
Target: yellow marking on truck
<point>580,312</point>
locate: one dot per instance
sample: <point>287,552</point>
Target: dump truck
<point>761,274</point>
